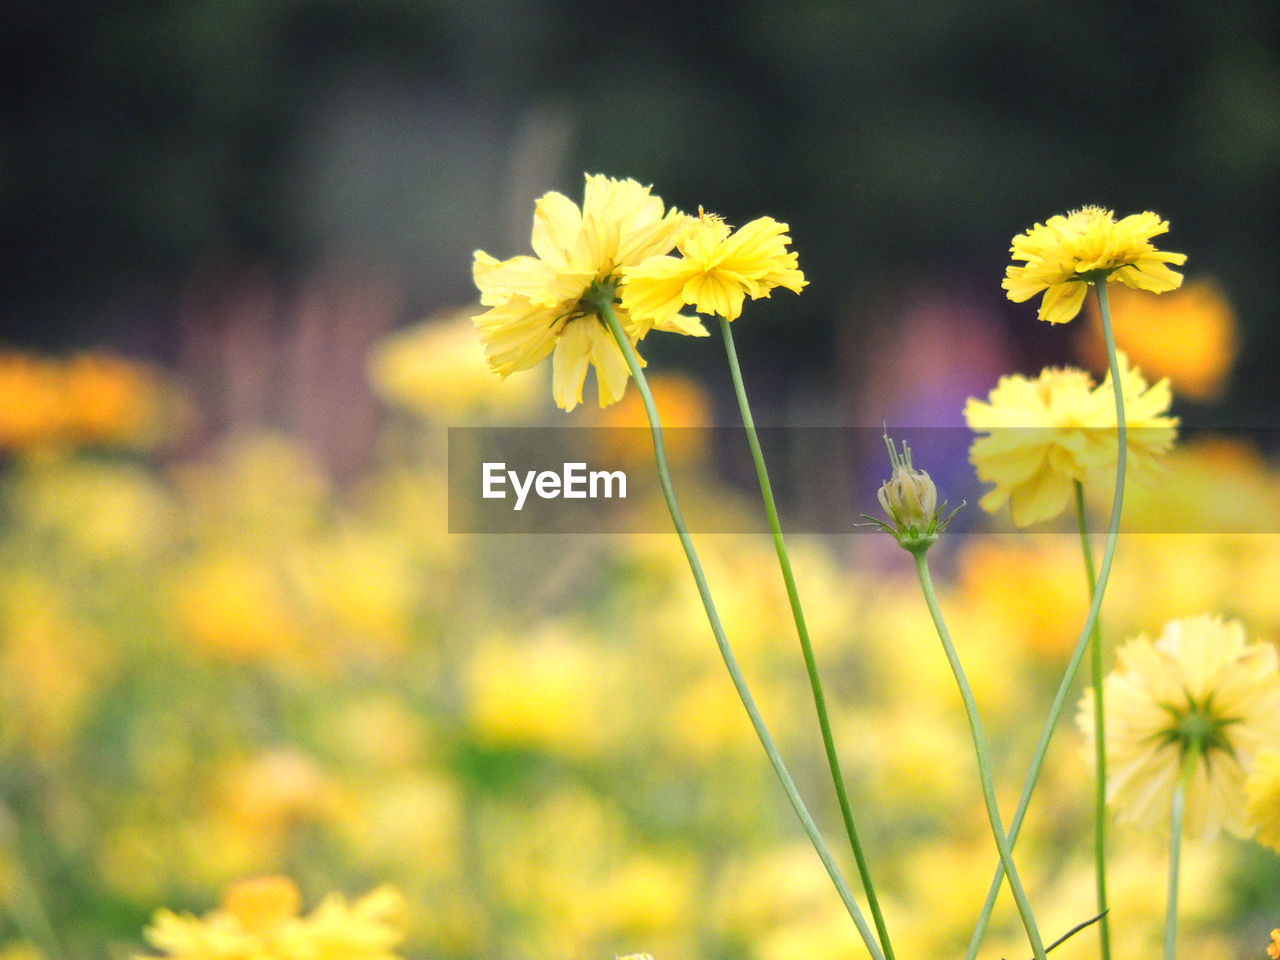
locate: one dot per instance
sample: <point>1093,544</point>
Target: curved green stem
<point>1086,632</point>
<point>802,631</point>
<point>1099,739</point>
<point>730,662</point>
<point>1176,817</point>
<point>984,764</point>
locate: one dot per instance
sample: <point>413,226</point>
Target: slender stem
<point>730,662</point>
<point>1099,740</point>
<point>984,763</point>
<point>802,631</point>
<point>1176,817</point>
<point>1082,642</point>
<point>25,906</point>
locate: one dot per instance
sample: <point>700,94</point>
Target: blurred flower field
<point>218,665</point>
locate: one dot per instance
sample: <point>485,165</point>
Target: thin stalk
<point>1082,642</point>
<point>726,652</point>
<point>802,631</point>
<point>26,909</point>
<point>984,762</point>
<point>1099,740</point>
<point>1176,817</point>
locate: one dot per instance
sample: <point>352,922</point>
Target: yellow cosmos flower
<point>1066,254</point>
<point>1262,791</point>
<point>260,919</point>
<point>546,303</point>
<point>1200,687</point>
<point>1045,434</point>
<point>716,272</point>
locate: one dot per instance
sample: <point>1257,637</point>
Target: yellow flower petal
<point>548,303</point>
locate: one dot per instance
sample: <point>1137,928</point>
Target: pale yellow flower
<point>1044,435</point>
<point>1262,790</point>
<point>436,369</point>
<point>1199,690</point>
<point>547,302</point>
<point>716,272</point>
<point>1066,254</point>
<point>260,919</point>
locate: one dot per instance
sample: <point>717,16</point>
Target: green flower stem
<point>1099,739</point>
<point>1003,843</point>
<point>25,907</point>
<point>1176,817</point>
<point>802,631</point>
<point>1086,632</point>
<point>730,662</point>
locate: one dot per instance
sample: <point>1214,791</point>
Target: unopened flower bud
<point>910,499</point>
<point>909,496</point>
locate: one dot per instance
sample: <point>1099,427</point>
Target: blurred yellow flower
<point>1273,948</point>
<point>716,271</point>
<point>1262,791</point>
<point>260,919</point>
<point>1192,501</point>
<point>549,692</point>
<point>1189,336</point>
<point>1045,434</point>
<point>436,369</point>
<point>1199,687</point>
<point>1066,254</point>
<point>548,302</point>
<point>236,607</point>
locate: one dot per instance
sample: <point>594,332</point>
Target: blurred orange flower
<point>1195,341</point>
<point>93,398</point>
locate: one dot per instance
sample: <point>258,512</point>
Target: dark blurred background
<point>238,188</point>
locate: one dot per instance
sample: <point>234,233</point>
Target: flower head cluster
<point>717,270</point>
<point>1045,434</point>
<point>1200,695</point>
<point>611,255</point>
<point>1065,254</point>
<point>260,919</point>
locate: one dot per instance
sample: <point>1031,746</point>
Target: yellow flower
<point>260,919</point>
<point>1066,254</point>
<point>1262,791</point>
<point>1199,688</point>
<point>716,271</point>
<point>1045,434</point>
<point>1273,948</point>
<point>549,302</point>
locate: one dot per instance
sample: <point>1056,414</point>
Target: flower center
<point>600,294</point>
<point>1199,726</point>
